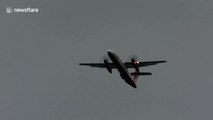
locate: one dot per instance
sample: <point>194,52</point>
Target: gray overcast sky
<point>39,54</point>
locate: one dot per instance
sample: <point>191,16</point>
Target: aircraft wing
<point>127,64</point>
<point>100,65</point>
<point>143,63</point>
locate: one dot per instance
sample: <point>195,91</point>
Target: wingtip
<point>164,61</point>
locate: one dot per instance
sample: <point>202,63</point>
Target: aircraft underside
<point>122,67</point>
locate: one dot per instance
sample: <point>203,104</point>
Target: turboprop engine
<point>135,64</point>
<point>107,66</point>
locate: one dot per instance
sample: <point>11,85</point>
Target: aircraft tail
<point>136,75</point>
<point>142,73</point>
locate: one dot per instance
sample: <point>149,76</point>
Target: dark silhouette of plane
<point>122,67</point>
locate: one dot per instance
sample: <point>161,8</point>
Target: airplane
<point>122,67</point>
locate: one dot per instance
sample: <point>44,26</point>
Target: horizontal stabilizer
<point>142,73</point>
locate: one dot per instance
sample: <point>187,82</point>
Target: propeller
<point>105,58</point>
<point>106,61</point>
<point>129,58</point>
<point>135,62</point>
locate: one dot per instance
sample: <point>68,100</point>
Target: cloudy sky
<point>40,78</point>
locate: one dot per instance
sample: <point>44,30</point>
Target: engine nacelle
<point>135,64</point>
<point>108,66</point>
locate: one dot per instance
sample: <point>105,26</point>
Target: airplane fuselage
<point>121,68</point>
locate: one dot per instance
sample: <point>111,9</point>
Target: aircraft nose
<point>109,52</point>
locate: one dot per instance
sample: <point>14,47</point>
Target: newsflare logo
<point>22,10</point>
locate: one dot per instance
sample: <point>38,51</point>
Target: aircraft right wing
<point>143,63</point>
<point>100,65</point>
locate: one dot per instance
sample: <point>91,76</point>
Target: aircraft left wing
<point>100,65</point>
<point>143,63</point>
